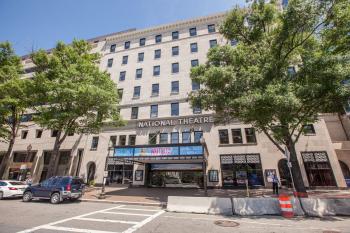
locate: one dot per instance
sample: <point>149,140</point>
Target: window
<point>112,48</point>
<point>142,41</point>
<point>140,57</point>
<point>250,135</point>
<point>194,48</point>
<point>120,93</point>
<point>175,35</point>
<point>237,136</point>
<point>39,133</point>
<point>158,38</point>
<point>157,53</point>
<point>134,112</point>
<point>213,176</point>
<point>127,45</point>
<point>122,140</point>
<point>197,136</point>
<point>195,85</point>
<point>24,134</point>
<point>186,137</point>
<point>152,139</point>
<point>94,143</point>
<point>156,70</point>
<point>223,136</point>
<point>175,50</point>
<point>291,71</point>
<point>163,139</point>
<point>211,28</point>
<point>110,62</point>
<point>309,129</point>
<point>174,138</point>
<point>194,63</point>
<point>233,42</point>
<point>139,73</point>
<point>113,140</point>
<point>137,91</point>
<point>174,109</point>
<point>122,75</point>
<point>193,31</point>
<point>125,60</point>
<point>132,140</point>
<point>154,111</point>
<point>175,87</point>
<point>213,43</point>
<point>175,68</point>
<point>54,133</point>
<point>197,108</point>
<point>155,89</point>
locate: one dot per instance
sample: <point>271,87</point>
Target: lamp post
<point>105,172</point>
<point>205,155</point>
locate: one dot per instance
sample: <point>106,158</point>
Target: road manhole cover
<point>226,223</point>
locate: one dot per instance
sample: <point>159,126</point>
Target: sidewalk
<point>160,195</point>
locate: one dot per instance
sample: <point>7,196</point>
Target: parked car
<point>11,188</point>
<point>56,189</point>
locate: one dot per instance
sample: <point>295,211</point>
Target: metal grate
<point>239,158</point>
<point>226,159</point>
<point>253,159</point>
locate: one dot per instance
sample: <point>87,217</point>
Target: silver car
<point>11,188</point>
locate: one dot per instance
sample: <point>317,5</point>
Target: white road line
<point>140,224</point>
<point>124,213</point>
<point>106,220</point>
<point>69,229</point>
<point>67,219</point>
<point>137,209</point>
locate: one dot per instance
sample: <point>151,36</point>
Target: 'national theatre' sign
<point>179,121</point>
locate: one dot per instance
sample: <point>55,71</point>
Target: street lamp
<point>205,159</point>
<point>105,172</point>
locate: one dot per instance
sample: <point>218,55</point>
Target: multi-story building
<point>166,141</point>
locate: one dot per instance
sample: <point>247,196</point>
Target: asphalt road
<point>43,217</point>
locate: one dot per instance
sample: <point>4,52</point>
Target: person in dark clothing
<point>275,184</point>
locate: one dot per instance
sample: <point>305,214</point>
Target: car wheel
<point>27,196</point>
<point>55,198</point>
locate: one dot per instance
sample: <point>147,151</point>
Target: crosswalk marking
<point>106,220</point>
<point>124,213</point>
<point>87,217</point>
<point>70,229</point>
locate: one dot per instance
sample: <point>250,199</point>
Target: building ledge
<point>238,144</point>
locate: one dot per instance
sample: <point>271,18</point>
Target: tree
<point>73,95</point>
<point>281,74</point>
<point>14,99</point>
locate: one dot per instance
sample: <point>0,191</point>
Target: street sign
<point>286,153</point>
<point>289,164</point>
<point>105,174</point>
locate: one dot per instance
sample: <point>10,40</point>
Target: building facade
<point>166,141</point>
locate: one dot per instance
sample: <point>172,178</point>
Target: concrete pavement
<point>43,217</point>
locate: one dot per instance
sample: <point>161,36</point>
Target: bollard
<point>286,206</point>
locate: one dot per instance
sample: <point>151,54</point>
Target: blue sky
<point>34,24</point>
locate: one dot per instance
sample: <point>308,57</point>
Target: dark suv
<point>57,189</point>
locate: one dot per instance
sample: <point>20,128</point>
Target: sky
<point>33,24</point>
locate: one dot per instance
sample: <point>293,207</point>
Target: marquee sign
<point>159,151</point>
<point>179,121</point>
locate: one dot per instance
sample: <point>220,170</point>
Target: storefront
<point>237,169</point>
<point>166,165</point>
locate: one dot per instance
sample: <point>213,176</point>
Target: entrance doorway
<point>283,169</point>
<point>175,175</point>
<point>346,172</point>
<point>91,172</point>
<point>318,168</point>
<point>120,174</point>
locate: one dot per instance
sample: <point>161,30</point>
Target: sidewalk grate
<point>226,223</point>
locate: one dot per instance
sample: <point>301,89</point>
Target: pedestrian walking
<point>275,184</point>
<point>29,180</point>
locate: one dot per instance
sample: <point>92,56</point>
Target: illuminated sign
<point>159,151</point>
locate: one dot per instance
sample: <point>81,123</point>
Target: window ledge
<point>310,134</point>
<point>155,95</point>
<point>136,98</point>
<point>238,144</point>
<point>93,149</point>
<point>174,93</point>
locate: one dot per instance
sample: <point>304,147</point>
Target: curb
<point>161,204</point>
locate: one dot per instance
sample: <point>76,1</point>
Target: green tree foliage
<point>287,67</point>
<point>14,99</point>
<point>73,95</point>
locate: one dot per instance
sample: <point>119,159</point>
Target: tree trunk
<point>54,156</point>
<point>296,172</point>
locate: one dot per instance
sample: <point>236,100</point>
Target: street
<point>43,217</point>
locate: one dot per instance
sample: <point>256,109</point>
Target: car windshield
<point>16,183</point>
<point>77,181</point>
